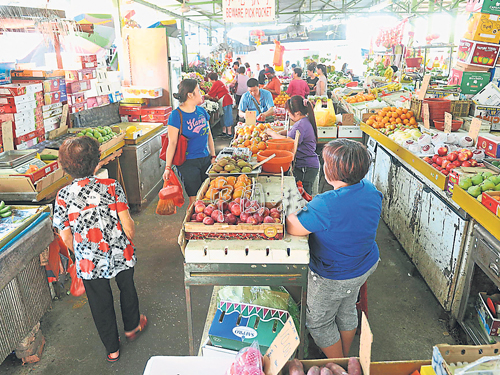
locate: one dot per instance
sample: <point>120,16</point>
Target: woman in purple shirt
<point>306,167</point>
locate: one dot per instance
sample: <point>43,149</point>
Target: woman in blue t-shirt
<point>342,224</point>
<point>196,128</point>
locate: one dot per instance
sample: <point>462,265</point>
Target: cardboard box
<point>492,204</point>
<point>24,106</point>
<point>141,92</point>
<point>483,6</point>
<point>50,107</point>
<point>53,112</point>
<point>235,326</point>
<point>165,110</point>
<point>135,110</point>
<point>489,95</point>
<point>78,86</point>
<point>349,132</point>
<point>479,54</point>
<point>485,125</point>
<point>79,75</point>
<point>53,84</point>
<point>15,100</point>
<point>92,102</point>
<point>52,97</point>
<point>209,350</point>
<point>92,92</point>
<point>487,113</point>
<point>459,174</point>
<point>155,118</point>
<point>490,144</point>
<point>483,27</point>
<point>103,88</point>
<point>469,82</point>
<point>327,133</point>
<point>76,98</point>
<point>102,100</point>
<point>78,107</point>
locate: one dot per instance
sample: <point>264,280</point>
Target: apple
<point>467,151</point>
<point>428,159</point>
<point>268,220</point>
<point>193,217</point>
<point>450,166</point>
<point>208,221</point>
<point>263,211</point>
<point>474,163</point>
<point>452,157</point>
<point>258,218</point>
<point>244,216</point>
<point>275,214</point>
<point>237,200</point>
<point>435,165</point>
<point>208,210</point>
<point>200,216</point>
<point>222,206</point>
<point>462,156</point>
<point>199,208</point>
<point>442,151</point>
<point>457,163</point>
<point>216,214</point>
<point>251,220</point>
<point>445,163</point>
<point>439,160</point>
<point>230,219</point>
<point>198,202</point>
<point>445,172</point>
<point>236,209</point>
<point>467,164</point>
<point>434,158</point>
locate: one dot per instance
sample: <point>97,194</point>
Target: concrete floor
<point>405,318</point>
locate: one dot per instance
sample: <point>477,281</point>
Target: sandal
<point>143,321</point>
<point>110,359</point>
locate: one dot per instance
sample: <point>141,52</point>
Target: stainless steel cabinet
<point>142,170</point>
<point>429,228</point>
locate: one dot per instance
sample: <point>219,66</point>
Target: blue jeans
<point>228,116</point>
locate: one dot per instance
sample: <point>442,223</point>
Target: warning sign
<point>248,10</point>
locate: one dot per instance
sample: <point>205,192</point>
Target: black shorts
<point>193,173</point>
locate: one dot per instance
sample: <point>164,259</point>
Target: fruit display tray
<point>253,173</point>
<point>241,152</point>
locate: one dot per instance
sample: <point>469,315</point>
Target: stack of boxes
<point>479,48</point>
<point>55,92</point>
<point>138,113</point>
<point>21,104</point>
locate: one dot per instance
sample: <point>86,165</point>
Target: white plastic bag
<point>483,366</point>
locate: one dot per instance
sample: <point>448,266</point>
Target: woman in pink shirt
<point>297,85</point>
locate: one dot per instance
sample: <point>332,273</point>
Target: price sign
<point>281,348</point>
<point>425,115</point>
<point>425,86</point>
<point>447,122</point>
<point>475,125</point>
<point>250,117</point>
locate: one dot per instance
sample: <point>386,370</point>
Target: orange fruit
<point>413,121</point>
<point>382,113</point>
<point>405,111</point>
<point>399,121</point>
<point>379,118</point>
<point>406,121</point>
<point>262,146</point>
<point>409,114</point>
<point>246,143</point>
<point>254,149</point>
<point>386,109</point>
<point>394,114</point>
<point>393,109</point>
<point>369,122</point>
<point>231,180</point>
<point>403,116</point>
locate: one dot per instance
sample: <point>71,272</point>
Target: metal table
<point>287,275</point>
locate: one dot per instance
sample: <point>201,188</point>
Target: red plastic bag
<point>302,191</point>
<point>77,288</point>
<point>279,50</point>
<point>170,196</point>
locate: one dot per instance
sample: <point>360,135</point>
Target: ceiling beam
<point>9,11</point>
<point>175,15</point>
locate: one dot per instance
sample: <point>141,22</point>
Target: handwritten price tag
<point>447,122</point>
<point>281,348</point>
<point>425,86</point>
<point>475,125</point>
<point>425,115</point>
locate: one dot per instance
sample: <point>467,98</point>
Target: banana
<point>5,209</point>
<point>2,204</point>
<point>6,214</point>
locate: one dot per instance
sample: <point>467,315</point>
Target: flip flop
<point>109,359</point>
<point>143,322</point>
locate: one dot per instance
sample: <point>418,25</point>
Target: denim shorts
<point>331,306</point>
<point>193,173</point>
<point>228,116</point>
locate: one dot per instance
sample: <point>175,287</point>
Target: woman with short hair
<point>342,226</point>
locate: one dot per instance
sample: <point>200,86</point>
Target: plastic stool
<point>362,304</point>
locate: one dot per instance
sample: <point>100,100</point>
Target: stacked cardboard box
<point>479,48</point>
<point>21,104</point>
<point>138,113</point>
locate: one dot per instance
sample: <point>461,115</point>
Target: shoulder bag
<point>180,150</point>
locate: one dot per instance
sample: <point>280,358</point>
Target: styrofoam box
<point>489,95</point>
<point>163,365</point>
<point>350,132</point>
<point>208,350</point>
<point>327,132</point>
<point>295,250</point>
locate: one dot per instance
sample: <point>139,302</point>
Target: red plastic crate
<point>42,172</point>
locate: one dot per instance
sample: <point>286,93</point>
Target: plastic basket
<point>460,108</point>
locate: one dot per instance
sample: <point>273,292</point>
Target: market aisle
<point>403,313</point>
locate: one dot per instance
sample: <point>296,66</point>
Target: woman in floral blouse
<point>93,217</point>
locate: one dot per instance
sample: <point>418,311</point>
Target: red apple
<point>467,164</point>
<point>445,163</point>
<point>230,219</point>
<point>450,166</point>
<point>236,209</point>
<point>200,216</point>
<point>275,214</point>
<point>452,157</point>
<point>445,172</point>
<point>221,205</point>
<point>442,151</point>
<point>462,156</point>
<point>237,200</point>
<point>467,151</point>
<point>268,219</point>
<point>263,211</point>
<point>238,221</point>
<point>198,202</point>
<point>434,158</point>
<point>457,163</point>
<point>428,159</point>
<point>251,220</point>
<point>439,160</point>
<point>208,221</point>
<point>208,210</point>
<point>216,214</point>
<point>244,216</point>
<point>473,163</point>
<point>193,217</point>
<point>199,208</point>
<point>258,218</point>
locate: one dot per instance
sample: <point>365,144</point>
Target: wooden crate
<point>223,231</point>
<point>460,108</point>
